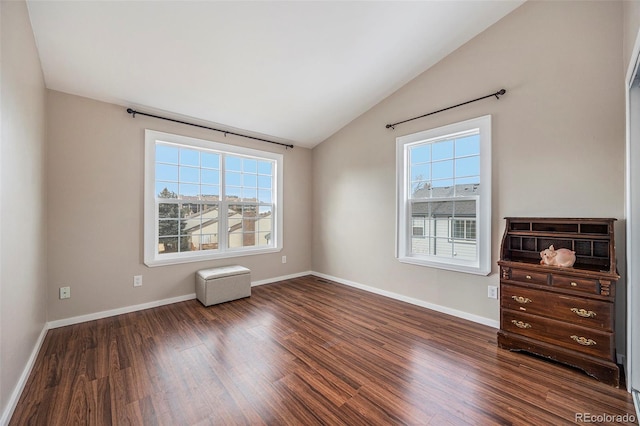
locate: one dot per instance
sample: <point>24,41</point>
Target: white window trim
<point>482,266</point>
<point>151,257</point>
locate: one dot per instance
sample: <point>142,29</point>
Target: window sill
<point>456,267</point>
<point>174,260</point>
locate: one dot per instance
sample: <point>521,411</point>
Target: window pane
<point>233,163</point>
<point>265,167</point>
<point>250,166</point>
<point>168,210</point>
<point>185,243</point>
<point>249,194</point>
<point>420,154</point>
<point>442,170</point>
<point>264,223</point>
<point>232,178</point>
<point>210,192</point>
<point>264,197</point>
<point>442,188</point>
<point>265,210</point>
<point>189,190</point>
<point>264,181</point>
<point>189,157</point>
<point>234,222</point>
<point>468,166</point>
<point>189,174</point>
<point>468,146</point>
<point>166,154</point>
<point>466,208</point>
<point>166,190</point>
<point>166,172</point>
<point>210,177</point>
<point>421,226</point>
<point>263,238</point>
<point>442,150</point>
<point>421,172</point>
<point>208,242</point>
<point>168,227</point>
<point>420,189</point>
<point>168,245</point>
<point>188,210</point>
<point>250,180</point>
<point>210,161</point>
<point>233,193</point>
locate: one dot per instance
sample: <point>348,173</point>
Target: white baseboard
<point>17,390</point>
<point>636,401</point>
<point>118,311</point>
<point>154,304</point>
<point>445,310</point>
<point>282,278</point>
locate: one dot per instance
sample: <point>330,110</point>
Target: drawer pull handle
<point>521,324</point>
<point>521,299</point>
<point>583,313</point>
<point>583,340</point>
<point>574,284</point>
<point>528,277</point>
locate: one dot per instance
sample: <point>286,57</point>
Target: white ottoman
<point>222,284</point>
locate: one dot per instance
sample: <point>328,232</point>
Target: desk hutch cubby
<point>565,314</point>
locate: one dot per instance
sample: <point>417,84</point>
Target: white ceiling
<point>294,71</point>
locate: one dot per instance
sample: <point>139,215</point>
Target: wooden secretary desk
<point>565,314</point>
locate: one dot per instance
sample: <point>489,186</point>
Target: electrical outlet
<point>137,280</point>
<point>65,292</point>
<point>284,259</point>
<point>492,292</point>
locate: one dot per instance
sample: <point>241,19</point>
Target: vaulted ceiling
<point>294,71</point>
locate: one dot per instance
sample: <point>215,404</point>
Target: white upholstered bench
<point>223,284</point>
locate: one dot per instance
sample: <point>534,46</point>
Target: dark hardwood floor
<point>300,352</point>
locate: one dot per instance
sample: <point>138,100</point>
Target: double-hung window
<point>444,197</point>
<point>207,200</point>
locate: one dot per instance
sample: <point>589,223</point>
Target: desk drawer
<point>581,339</point>
<point>595,314</point>
<point>580,284</point>
<point>529,277</point>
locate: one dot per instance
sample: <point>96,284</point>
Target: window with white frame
<point>444,187</point>
<point>207,200</point>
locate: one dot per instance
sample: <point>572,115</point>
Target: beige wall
<point>631,24</point>
<point>95,178</point>
<point>558,146</point>
<point>22,205</point>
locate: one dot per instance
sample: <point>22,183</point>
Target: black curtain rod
<point>133,112</point>
<point>497,95</point>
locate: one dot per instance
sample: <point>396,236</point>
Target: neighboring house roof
<point>435,208</point>
<point>210,216</point>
